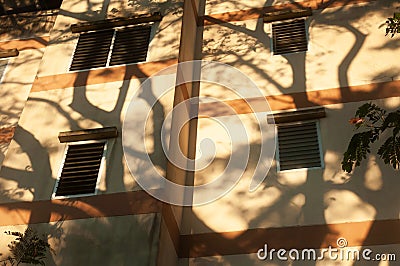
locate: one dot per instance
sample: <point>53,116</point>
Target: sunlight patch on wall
<point>293,178</point>
<point>373,175</point>
<point>346,206</point>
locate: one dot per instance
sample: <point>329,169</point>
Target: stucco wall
<point>14,90</point>
<point>164,41</point>
<point>347,46</point>
<point>122,240</point>
<point>27,25</point>
<point>218,6</point>
<point>35,155</point>
<point>296,197</point>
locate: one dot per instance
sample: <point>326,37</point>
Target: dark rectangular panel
<point>130,45</point>
<point>298,146</point>
<point>88,134</point>
<point>298,115</point>
<point>81,169</point>
<point>289,37</point>
<point>92,50</point>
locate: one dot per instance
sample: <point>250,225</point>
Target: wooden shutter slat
<point>289,37</point>
<point>298,146</point>
<point>92,50</point>
<point>294,156</point>
<point>81,169</point>
<point>130,45</point>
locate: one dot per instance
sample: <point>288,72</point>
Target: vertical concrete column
<point>189,50</point>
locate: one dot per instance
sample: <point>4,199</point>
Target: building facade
<point>74,75</point>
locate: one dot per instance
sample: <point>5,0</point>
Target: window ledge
<point>9,53</point>
<point>286,14</point>
<point>115,22</point>
<point>88,134</point>
<point>295,116</point>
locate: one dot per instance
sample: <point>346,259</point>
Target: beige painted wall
<point>14,90</point>
<point>35,155</point>
<point>218,6</point>
<point>297,197</point>
<point>164,41</point>
<point>120,240</point>
<point>27,25</point>
<point>347,46</point>
<point>49,112</point>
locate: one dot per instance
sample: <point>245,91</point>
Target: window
<point>81,169</point>
<point>112,42</point>
<point>111,47</point>
<point>298,146</point>
<point>84,161</point>
<point>298,138</point>
<point>130,45</point>
<point>3,65</point>
<point>92,50</point>
<point>289,37</point>
<point>4,59</point>
<point>289,34</point>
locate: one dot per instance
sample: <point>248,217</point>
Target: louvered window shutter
<point>289,37</point>
<point>92,50</point>
<point>80,171</point>
<point>130,45</point>
<point>3,65</point>
<point>298,146</point>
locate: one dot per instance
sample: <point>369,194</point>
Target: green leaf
<point>370,111</point>
<point>364,109</point>
<point>392,120</point>
<point>393,25</point>
<point>357,150</point>
<point>390,152</point>
<point>28,247</point>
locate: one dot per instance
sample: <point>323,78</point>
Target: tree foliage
<point>28,247</point>
<point>393,25</point>
<point>375,123</point>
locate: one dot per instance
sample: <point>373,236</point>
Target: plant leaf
<point>357,150</point>
<point>390,152</point>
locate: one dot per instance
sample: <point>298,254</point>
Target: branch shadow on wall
<point>311,210</point>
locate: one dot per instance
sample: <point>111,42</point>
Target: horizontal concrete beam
<point>366,233</point>
<point>298,115</point>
